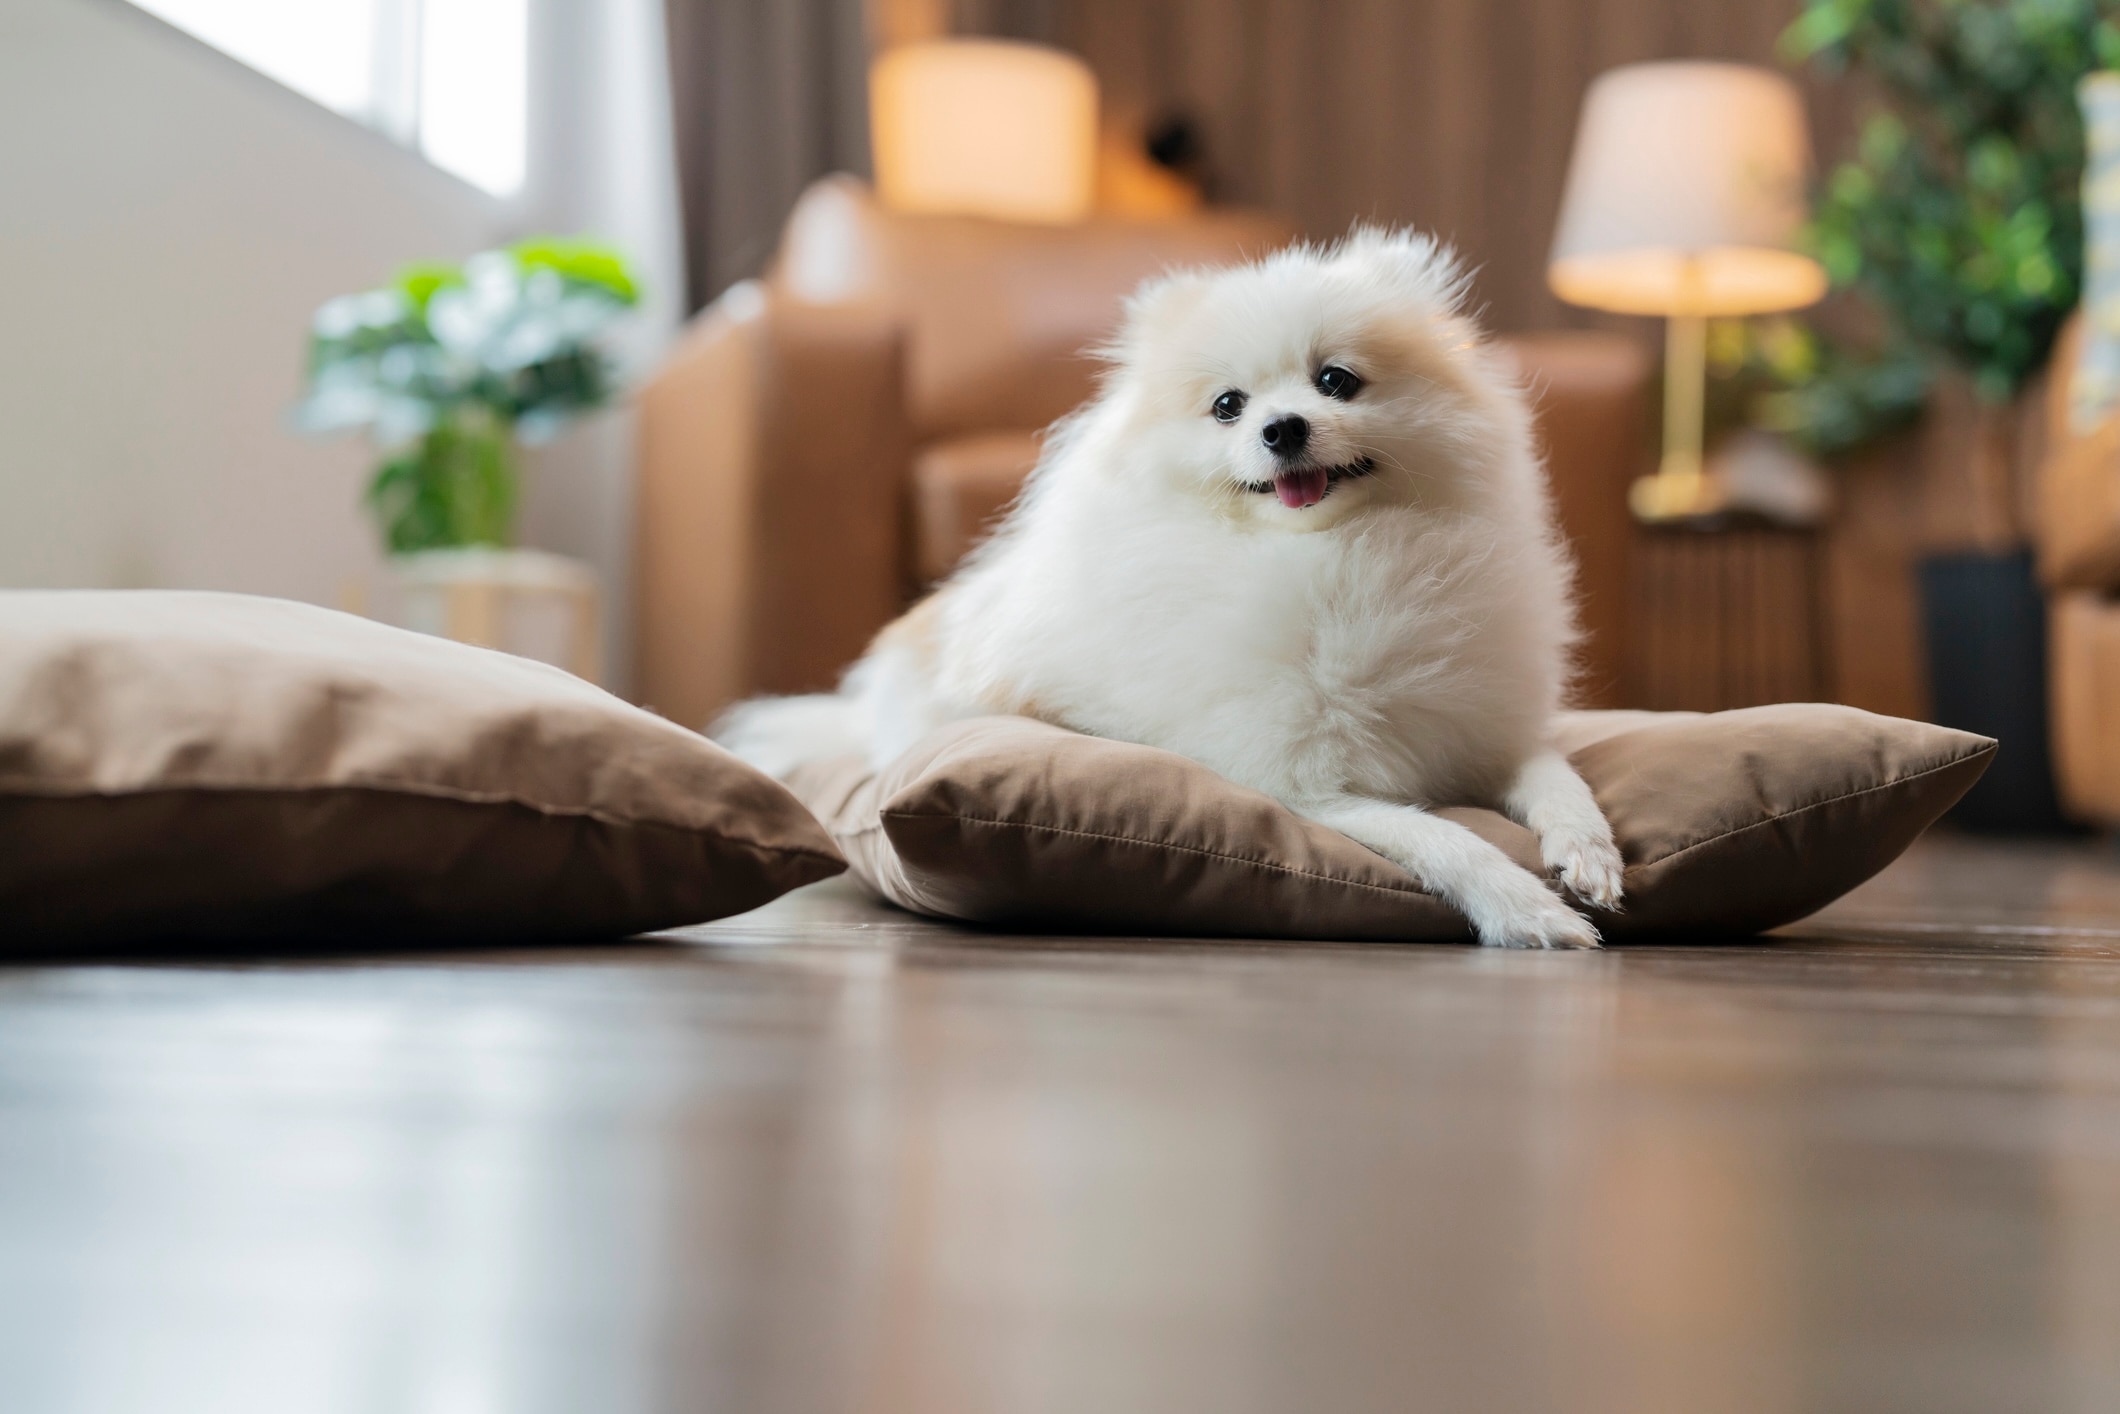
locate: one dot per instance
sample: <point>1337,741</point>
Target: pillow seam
<point>1892,784</point>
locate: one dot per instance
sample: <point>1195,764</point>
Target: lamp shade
<point>976,127</point>
<point>1685,193</point>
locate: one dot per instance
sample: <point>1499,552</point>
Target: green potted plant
<point>1958,217</point>
<point>448,369</point>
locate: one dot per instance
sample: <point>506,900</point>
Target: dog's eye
<point>1337,382</point>
<point>1230,406</point>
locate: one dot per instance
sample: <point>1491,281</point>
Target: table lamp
<point>983,127</point>
<point>1685,195</point>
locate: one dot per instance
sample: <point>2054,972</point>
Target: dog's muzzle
<point>1301,487</point>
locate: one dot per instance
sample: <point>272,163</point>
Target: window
<point>448,78</point>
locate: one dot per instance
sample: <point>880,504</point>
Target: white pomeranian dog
<point>1301,536</point>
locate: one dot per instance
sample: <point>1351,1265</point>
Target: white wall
<point>168,222</point>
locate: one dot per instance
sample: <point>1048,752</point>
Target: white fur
<point>1401,644</point>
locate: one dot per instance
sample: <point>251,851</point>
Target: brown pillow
<point>1730,823</point>
<point>225,767</point>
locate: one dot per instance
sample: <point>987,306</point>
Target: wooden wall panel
<point>1454,115</point>
<point>1726,618</point>
<point>1875,657</point>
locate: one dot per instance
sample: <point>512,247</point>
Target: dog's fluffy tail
<point>777,734</point>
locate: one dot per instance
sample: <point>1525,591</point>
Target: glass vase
<point>457,485</point>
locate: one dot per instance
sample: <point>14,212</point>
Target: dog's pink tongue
<point>1301,488</point>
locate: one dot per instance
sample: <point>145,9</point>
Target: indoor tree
<point>1959,213</point>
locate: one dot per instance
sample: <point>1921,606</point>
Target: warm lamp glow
<point>975,127</point>
<point>1685,194</point>
<point>1730,280</point>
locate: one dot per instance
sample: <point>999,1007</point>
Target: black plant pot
<point>1985,621</point>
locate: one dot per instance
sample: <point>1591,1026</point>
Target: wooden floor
<point>825,1158</point>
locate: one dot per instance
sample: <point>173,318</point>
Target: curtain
<point>766,96</point>
<point>603,165</point>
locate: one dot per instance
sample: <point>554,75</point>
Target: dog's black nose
<point>1286,436</point>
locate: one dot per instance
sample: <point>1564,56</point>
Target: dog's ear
<point>1407,263</point>
<point>1156,303</point>
<point>1171,295</point>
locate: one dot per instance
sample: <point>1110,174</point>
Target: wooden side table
<point>525,602</point>
<point>1726,615</point>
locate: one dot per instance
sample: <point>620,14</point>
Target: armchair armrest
<point>769,508</point>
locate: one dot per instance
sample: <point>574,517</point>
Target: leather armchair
<point>826,441</point>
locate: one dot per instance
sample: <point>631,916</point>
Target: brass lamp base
<point>1676,494</point>
<point>1681,489</point>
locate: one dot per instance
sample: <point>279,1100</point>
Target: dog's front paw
<point>1554,926</point>
<point>1527,915</point>
<point>1589,866</point>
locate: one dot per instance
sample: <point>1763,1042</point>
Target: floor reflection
<point>827,1159</point>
